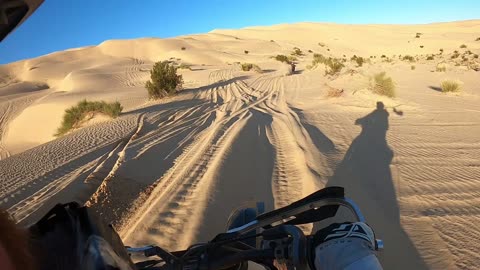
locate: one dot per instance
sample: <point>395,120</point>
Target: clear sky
<point>64,24</point>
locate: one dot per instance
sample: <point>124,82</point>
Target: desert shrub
<point>250,66</point>
<point>334,92</point>
<point>163,80</point>
<point>183,48</point>
<point>441,67</point>
<point>310,51</point>
<point>383,56</point>
<point>321,44</point>
<point>282,58</point>
<point>441,50</point>
<point>421,46</point>
<point>475,56</point>
<point>450,86</point>
<point>291,58</point>
<point>333,66</point>
<point>297,52</point>
<point>76,114</point>
<point>271,40</point>
<point>478,39</point>
<point>246,52</point>
<point>418,35</point>
<point>463,46</point>
<point>409,58</point>
<point>412,67</point>
<point>455,55</point>
<point>328,49</point>
<point>358,59</point>
<point>318,59</point>
<point>430,57</point>
<point>383,85</point>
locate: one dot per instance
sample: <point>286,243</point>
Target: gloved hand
<point>344,246</point>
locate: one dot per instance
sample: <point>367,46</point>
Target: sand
<point>169,172</point>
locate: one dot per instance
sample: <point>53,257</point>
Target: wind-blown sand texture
<point>169,172</point>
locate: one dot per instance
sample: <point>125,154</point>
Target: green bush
<point>250,66</point>
<point>75,114</point>
<point>282,58</point>
<point>463,46</point>
<point>383,85</point>
<point>358,59</point>
<point>333,66</point>
<point>163,80</point>
<point>409,58</point>
<point>297,52</point>
<point>450,86</point>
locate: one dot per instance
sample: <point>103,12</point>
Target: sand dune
<point>169,172</point>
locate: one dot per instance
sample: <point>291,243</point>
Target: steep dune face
<point>169,172</point>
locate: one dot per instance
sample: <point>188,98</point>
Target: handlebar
<point>282,241</point>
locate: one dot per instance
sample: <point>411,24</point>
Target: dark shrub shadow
<point>436,88</point>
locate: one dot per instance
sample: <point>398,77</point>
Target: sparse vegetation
<point>409,58</point>
<point>250,66</point>
<point>282,58</point>
<point>463,46</point>
<point>430,57</point>
<point>383,56</point>
<point>271,40</point>
<point>475,56</point>
<point>450,86</point>
<point>478,39</point>
<point>291,58</point>
<point>441,51</point>
<point>383,85</point>
<point>358,59</point>
<point>412,67</point>
<point>441,67</point>
<point>321,44</point>
<point>246,52</point>
<point>183,48</point>
<point>76,114</point>
<point>332,65</point>
<point>297,52</point>
<point>421,46</point>
<point>163,81</point>
<point>310,51</point>
<point>418,35</point>
<point>455,55</point>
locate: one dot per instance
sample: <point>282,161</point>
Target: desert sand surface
<point>170,171</point>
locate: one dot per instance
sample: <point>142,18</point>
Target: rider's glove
<point>344,246</point>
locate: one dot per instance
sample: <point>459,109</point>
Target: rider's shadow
<point>365,173</point>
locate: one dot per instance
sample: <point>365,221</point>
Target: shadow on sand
<point>365,174</point>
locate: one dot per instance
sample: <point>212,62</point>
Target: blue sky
<point>63,24</point>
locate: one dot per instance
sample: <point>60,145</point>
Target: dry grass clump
<point>441,67</point>
<point>383,85</point>
<point>450,86</point>
<point>250,66</point>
